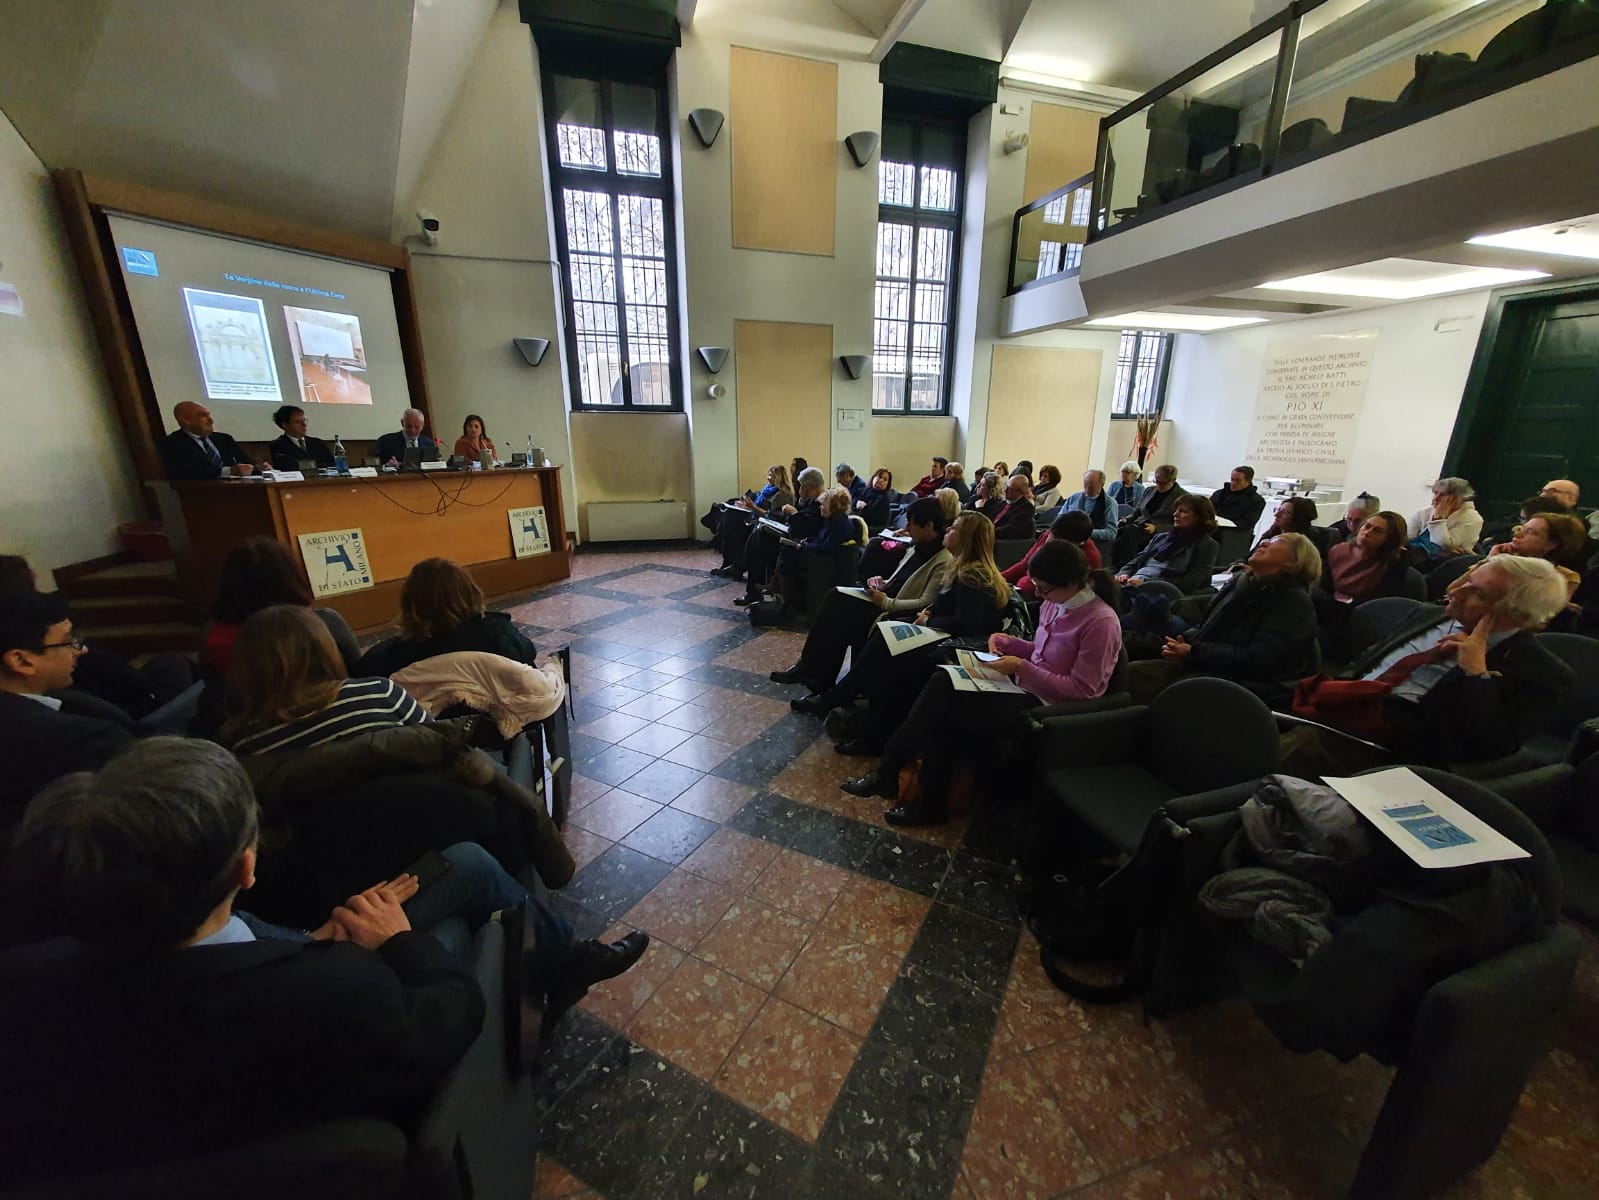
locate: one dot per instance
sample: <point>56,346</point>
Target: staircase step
<point>143,578</point>
<point>143,639</point>
<point>137,609</point>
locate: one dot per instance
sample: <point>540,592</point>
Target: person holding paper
<point>971,604</point>
<point>1465,683</point>
<point>391,447</point>
<point>846,621</point>
<point>1072,657</point>
<point>804,518</point>
<point>836,532</point>
<point>736,519</point>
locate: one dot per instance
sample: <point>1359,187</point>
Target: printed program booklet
<point>902,635</point>
<point>970,675</point>
<point>1423,822</point>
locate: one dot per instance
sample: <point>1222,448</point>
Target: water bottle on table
<point>341,460</point>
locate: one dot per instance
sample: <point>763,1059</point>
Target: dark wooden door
<point>1539,417</point>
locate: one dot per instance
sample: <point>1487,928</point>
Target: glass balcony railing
<point>1048,235</point>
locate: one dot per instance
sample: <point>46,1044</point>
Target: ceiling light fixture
<point>1577,238</point>
<point>1400,279</point>
<point>1174,322</point>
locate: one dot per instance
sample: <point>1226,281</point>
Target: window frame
<point>614,184</point>
<point>918,218</point>
<point>1122,396</point>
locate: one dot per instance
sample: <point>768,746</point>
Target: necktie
<point>1411,663</point>
<point>299,443</point>
<point>211,452</point>
<point>411,442</point>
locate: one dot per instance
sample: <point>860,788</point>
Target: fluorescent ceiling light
<point>1578,238</point>
<point>1175,322</point>
<point>1400,279</point>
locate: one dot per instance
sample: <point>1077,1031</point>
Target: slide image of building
<point>234,348</point>
<point>329,356</point>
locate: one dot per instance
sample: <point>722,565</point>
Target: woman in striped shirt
<point>288,690</point>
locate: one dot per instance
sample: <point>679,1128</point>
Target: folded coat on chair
<point>514,694</point>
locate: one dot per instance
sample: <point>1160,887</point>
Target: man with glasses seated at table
<point>38,742</point>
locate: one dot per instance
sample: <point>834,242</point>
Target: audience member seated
<point>971,604</point>
<point>733,524</point>
<point>137,690</point>
<point>949,500</point>
<point>1072,526</point>
<point>1151,515</point>
<point>1047,493</point>
<point>1013,520</point>
<point>1449,526</point>
<point>985,497</point>
<point>1569,494</point>
<point>1072,657</point>
<point>289,690</point>
<point>804,518</point>
<point>391,447</point>
<point>1367,566</point>
<point>1127,489</point>
<point>257,574</point>
<point>1098,504</point>
<point>172,1025</point>
<point>1239,502</point>
<point>1467,682</point>
<point>836,532</point>
<point>955,479</point>
<point>1499,532</point>
<point>38,654</point>
<point>1360,509</point>
<point>195,450</point>
<point>844,475</point>
<point>475,439</point>
<point>1259,632</point>
<point>1001,469</point>
<point>1557,537</point>
<point>1172,556</point>
<point>875,506</point>
<point>845,622</point>
<point>294,446</point>
<point>934,479</point>
<point>442,612</point>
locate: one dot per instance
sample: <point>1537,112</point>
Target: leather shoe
<point>905,815</point>
<point>845,722</point>
<point>591,962</point>
<point>816,706</point>
<point>795,674</point>
<point>746,600</point>
<point>869,784</point>
<point>858,748</point>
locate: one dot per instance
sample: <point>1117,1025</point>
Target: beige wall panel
<point>784,128</point>
<point>630,456</point>
<point>1061,143</point>
<point>1041,402</point>
<point>785,396</point>
<point>906,445</point>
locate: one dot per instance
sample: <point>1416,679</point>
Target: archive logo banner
<point>335,562</point>
<point>530,532</point>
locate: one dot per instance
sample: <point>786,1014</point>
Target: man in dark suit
<point>392,446</point>
<point>195,450</point>
<point>1469,681</point>
<point>1014,520</point>
<point>850,482</point>
<point>38,742</point>
<point>295,445</point>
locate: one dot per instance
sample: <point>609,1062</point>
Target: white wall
<point>1418,374</point>
<point>491,277</point>
<point>68,483</point>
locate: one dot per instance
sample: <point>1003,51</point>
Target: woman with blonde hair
<point>288,690</point>
<point>971,605</point>
<point>985,496</point>
<point>955,477</point>
<point>442,612</point>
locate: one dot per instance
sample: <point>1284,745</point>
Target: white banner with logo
<point>335,562</point>
<point>530,532</point>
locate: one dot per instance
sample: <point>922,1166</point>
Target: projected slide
<point>329,357</point>
<point>230,336</point>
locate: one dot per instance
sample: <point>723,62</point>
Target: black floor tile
<point>620,1117</point>
<point>898,1124</point>
<point>997,834</point>
<point>586,922</point>
<point>663,781</point>
<point>907,863</point>
<point>985,889</point>
<point>585,710</point>
<point>758,762</point>
<point>735,681</point>
<point>611,765</point>
<point>670,835</point>
<point>944,1026</point>
<point>967,949</point>
<point>577,1041</point>
<point>586,747</point>
<point>805,830</point>
<point>714,647</point>
<point>616,880</point>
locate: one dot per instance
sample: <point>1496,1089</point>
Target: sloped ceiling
<point>297,107</point>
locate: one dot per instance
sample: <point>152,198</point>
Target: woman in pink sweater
<point>1072,658</point>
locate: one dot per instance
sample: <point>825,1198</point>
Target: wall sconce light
<point>531,349</point>
<point>706,123</point>
<point>1016,141</point>
<point>713,357</point>
<point>855,365</point>
<point>861,145</point>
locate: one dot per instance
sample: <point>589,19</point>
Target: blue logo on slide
<point>139,262</point>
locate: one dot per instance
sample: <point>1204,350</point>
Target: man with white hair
<point>392,446</point>
<point>1467,682</point>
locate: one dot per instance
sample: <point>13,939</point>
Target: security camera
<point>430,226</point>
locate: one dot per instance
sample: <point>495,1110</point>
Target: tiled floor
<point>833,1008</point>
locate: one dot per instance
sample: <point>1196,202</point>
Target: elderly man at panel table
<point>1469,682</point>
<point>392,446</point>
<point>195,450</point>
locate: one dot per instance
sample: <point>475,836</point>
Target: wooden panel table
<point>403,519</point>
